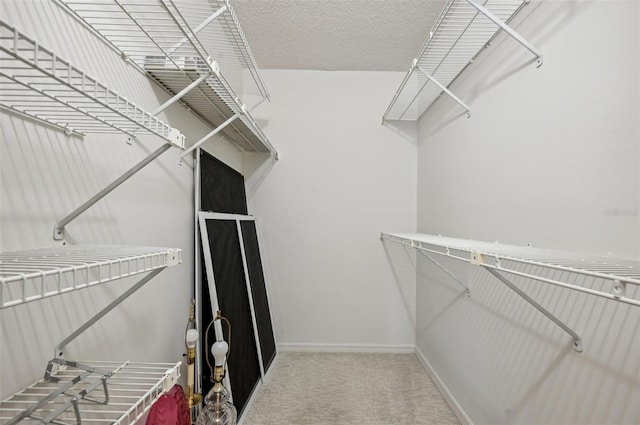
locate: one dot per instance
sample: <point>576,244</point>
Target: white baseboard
<point>346,348</point>
<point>446,394</point>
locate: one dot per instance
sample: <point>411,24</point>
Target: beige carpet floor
<point>348,389</point>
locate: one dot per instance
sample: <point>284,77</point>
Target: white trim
<point>258,226</point>
<point>346,348</point>
<point>252,309</point>
<point>197,261</point>
<point>446,394</point>
<point>208,215</point>
<point>213,295</point>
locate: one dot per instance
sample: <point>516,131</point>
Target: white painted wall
<point>550,156</point>
<point>45,175</point>
<point>342,177</point>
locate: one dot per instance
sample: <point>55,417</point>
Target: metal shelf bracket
<point>196,30</point>
<point>441,267</point>
<point>59,228</point>
<point>210,134</point>
<point>443,88</point>
<point>577,341</point>
<point>508,30</point>
<point>181,94</point>
<point>59,349</point>
<point>619,289</point>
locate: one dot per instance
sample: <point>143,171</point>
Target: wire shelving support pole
<point>577,341</point>
<point>507,29</point>
<point>441,267</point>
<point>59,229</point>
<point>211,134</point>
<point>59,349</point>
<point>257,104</point>
<point>182,92</point>
<point>197,29</point>
<point>446,90</point>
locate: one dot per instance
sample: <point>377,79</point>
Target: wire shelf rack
<point>618,274</point>
<point>458,36</point>
<point>179,42</point>
<point>34,81</point>
<point>118,393</point>
<point>29,275</point>
<point>213,101</point>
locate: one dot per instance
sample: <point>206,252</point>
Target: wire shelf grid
<point>458,36</point>
<point>213,102</point>
<point>129,389</point>
<point>615,272</point>
<point>29,275</point>
<point>34,81</point>
<point>176,42</point>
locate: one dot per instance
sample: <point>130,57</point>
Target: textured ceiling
<point>357,35</point>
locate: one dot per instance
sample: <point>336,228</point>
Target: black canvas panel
<point>233,300</point>
<point>259,293</point>
<point>221,187</point>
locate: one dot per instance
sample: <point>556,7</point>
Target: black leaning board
<point>259,293</point>
<point>222,190</point>
<point>221,187</point>
<point>233,300</point>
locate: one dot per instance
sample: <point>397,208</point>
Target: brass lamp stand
<point>190,340</point>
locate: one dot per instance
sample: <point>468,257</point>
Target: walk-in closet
<point>303,212</point>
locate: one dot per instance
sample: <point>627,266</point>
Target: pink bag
<point>170,409</point>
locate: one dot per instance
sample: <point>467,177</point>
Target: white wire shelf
<point>179,42</point>
<point>618,275</point>
<point>130,388</point>
<point>34,81</point>
<point>29,275</point>
<point>458,36</point>
<point>213,101</point>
